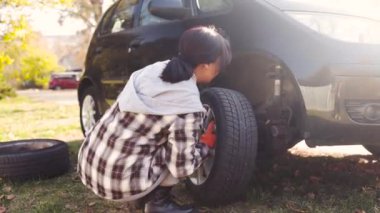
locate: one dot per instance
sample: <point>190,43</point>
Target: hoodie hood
<point>145,92</point>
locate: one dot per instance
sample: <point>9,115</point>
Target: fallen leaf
<point>75,178</point>
<point>315,179</point>
<point>7,189</point>
<point>3,209</point>
<point>70,206</point>
<point>91,204</point>
<point>31,201</point>
<point>311,195</point>
<point>2,196</point>
<point>289,189</point>
<point>10,197</point>
<point>367,189</point>
<point>294,207</point>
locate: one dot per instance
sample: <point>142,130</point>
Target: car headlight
<point>345,28</point>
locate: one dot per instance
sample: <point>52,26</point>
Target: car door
<point>156,39</point>
<point>72,82</point>
<point>111,51</point>
<point>63,82</point>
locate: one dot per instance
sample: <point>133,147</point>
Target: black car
<point>300,71</point>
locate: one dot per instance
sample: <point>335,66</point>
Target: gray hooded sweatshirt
<point>147,93</point>
<point>127,154</point>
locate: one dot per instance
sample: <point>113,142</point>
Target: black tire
<point>89,91</point>
<point>33,159</point>
<point>235,151</point>
<point>375,150</point>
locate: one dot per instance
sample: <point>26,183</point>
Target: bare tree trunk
<point>97,6</point>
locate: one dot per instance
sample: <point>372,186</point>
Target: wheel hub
<point>88,113</point>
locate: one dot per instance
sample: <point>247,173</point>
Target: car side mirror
<point>169,9</point>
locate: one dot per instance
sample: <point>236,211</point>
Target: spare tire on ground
<point>33,159</point>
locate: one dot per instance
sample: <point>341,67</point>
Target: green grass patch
<point>22,118</point>
<point>291,184</point>
<point>61,194</point>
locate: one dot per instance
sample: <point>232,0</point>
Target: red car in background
<point>66,80</point>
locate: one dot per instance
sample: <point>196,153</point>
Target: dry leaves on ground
<point>91,204</point>
<point>315,179</point>
<point>3,209</point>
<point>293,206</point>
<point>311,195</point>
<point>10,197</point>
<point>7,189</point>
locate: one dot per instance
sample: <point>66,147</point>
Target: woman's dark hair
<point>198,45</point>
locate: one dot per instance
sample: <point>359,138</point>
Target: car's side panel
<point>156,42</point>
<point>112,61</point>
<point>261,37</point>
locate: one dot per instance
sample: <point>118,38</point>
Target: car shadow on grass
<point>73,150</point>
<point>318,184</point>
<point>299,184</point>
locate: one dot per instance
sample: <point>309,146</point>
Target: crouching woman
<point>151,137</point>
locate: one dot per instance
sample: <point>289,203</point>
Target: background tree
<point>89,11</point>
<point>23,61</point>
<point>20,58</point>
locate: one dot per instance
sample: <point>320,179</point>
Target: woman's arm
<point>185,153</point>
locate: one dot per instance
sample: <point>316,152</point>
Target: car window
<point>119,18</point>
<point>64,76</point>
<point>146,18</point>
<point>214,5</point>
<point>123,16</point>
<point>105,25</point>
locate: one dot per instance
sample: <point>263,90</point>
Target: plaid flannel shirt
<point>127,153</point>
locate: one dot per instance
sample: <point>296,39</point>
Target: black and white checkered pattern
<point>125,153</point>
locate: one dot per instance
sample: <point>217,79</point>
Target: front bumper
<point>347,109</point>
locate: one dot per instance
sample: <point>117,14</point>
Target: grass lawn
<point>22,118</point>
<point>292,184</point>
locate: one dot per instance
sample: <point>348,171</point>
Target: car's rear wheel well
<point>85,83</point>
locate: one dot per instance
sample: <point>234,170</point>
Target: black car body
<point>302,82</point>
<point>329,83</point>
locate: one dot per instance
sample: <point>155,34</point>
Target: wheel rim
<point>88,113</point>
<point>203,172</point>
